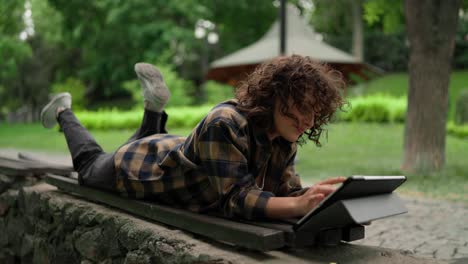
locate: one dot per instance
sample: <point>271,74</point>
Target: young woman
<point>239,160</point>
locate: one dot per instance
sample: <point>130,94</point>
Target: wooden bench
<point>339,222</point>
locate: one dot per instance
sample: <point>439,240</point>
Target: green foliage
<point>186,117</point>
<point>460,131</point>
<point>13,51</point>
<point>76,88</point>
<point>396,85</point>
<point>179,117</point>
<point>109,119</point>
<point>11,20</point>
<point>217,92</point>
<point>375,108</point>
<point>180,88</point>
<point>461,110</point>
<point>389,14</point>
<point>383,29</point>
<point>239,23</point>
<point>28,67</point>
<point>107,37</point>
<point>386,50</point>
<point>114,35</point>
<point>47,21</point>
<point>460,54</point>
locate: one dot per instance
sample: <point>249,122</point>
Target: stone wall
<point>39,224</point>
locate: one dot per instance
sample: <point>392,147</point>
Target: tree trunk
<point>431,26</point>
<point>358,30</point>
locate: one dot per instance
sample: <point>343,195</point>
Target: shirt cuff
<point>254,204</point>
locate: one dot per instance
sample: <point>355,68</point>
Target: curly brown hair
<point>313,86</point>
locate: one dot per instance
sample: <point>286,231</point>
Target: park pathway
<point>431,228</point>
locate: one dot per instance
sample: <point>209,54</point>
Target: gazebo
<point>300,39</point>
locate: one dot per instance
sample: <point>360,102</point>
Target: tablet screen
<point>357,186</point>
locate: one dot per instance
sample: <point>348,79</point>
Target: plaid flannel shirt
<point>223,165</point>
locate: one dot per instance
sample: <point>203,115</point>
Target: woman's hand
<point>290,207</point>
<point>315,194</point>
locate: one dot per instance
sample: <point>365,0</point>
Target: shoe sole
<point>147,71</point>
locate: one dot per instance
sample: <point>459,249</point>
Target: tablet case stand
<point>344,220</point>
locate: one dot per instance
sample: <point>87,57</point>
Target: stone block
<point>110,234</point>
<point>137,257</point>
<point>132,237</point>
<point>27,245</point>
<point>88,244</point>
<point>41,253</point>
<point>3,231</point>
<point>7,256</point>
<point>63,250</point>
<point>88,218</point>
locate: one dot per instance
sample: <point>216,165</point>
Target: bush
<point>76,88</point>
<point>217,92</point>
<point>461,108</point>
<point>375,108</point>
<point>457,130</point>
<point>179,117</point>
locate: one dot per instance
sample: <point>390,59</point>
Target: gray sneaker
<point>49,112</point>
<point>155,92</point>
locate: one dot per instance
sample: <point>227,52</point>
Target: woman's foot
<point>155,92</point>
<point>57,104</point>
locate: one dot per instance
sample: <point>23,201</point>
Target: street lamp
<point>205,30</point>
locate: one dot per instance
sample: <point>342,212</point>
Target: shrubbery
<point>179,117</point>
<point>378,108</point>
<point>375,108</point>
<point>217,92</point>
<point>457,130</point>
<point>76,88</point>
<point>461,110</point>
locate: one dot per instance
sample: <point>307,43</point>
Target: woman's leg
<point>95,167</point>
<point>155,95</point>
<point>152,123</point>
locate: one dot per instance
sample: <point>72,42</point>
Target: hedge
<point>376,108</point>
<point>117,119</point>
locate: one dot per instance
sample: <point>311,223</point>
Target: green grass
<point>351,148</point>
<point>396,84</point>
<point>373,149</point>
<point>35,137</point>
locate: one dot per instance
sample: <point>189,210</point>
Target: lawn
<point>351,148</point>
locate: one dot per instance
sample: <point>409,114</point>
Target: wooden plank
<point>48,162</point>
<point>18,167</point>
<point>241,234</point>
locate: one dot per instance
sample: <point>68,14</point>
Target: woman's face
<point>287,127</point>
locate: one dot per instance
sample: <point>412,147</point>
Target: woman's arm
<point>290,207</point>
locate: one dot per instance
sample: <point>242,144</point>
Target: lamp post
<point>205,30</point>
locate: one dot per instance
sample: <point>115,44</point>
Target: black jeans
<point>95,167</point>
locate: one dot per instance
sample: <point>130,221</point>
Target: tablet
<point>353,187</point>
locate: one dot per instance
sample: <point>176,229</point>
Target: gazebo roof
<point>300,39</point>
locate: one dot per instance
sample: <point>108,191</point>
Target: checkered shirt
<point>221,166</point>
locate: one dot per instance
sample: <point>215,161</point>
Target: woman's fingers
<point>315,200</point>
<point>324,189</point>
<point>334,180</point>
